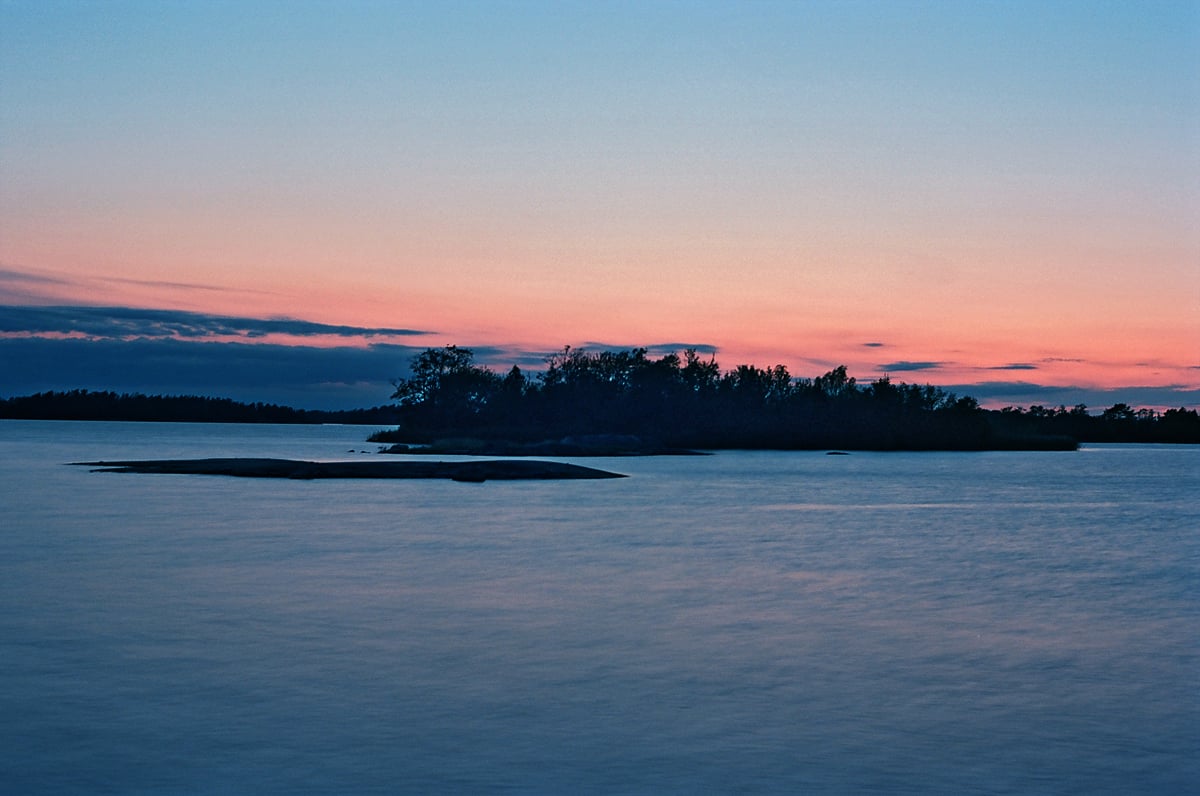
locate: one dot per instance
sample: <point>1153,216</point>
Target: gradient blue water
<point>746,622</point>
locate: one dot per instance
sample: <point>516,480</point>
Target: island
<point>614,402</point>
<point>629,403</point>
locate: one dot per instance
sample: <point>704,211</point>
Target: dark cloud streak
<point>181,285</point>
<point>654,349</point>
<point>13,275</point>
<point>130,322</point>
<point>905,366</point>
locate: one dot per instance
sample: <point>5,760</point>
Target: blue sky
<point>970,185</point>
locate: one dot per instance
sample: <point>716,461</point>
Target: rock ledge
<point>471,471</point>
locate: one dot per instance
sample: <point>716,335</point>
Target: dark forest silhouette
<point>629,400</point>
<point>688,402</point>
<point>1118,423</point>
<point>104,405</point>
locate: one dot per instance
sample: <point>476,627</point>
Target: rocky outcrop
<point>470,471</point>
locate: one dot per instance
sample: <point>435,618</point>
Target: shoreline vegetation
<point>625,403</point>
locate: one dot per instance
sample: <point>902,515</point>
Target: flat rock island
<point>469,471</point>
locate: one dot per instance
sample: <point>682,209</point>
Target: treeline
<point>669,402</point>
<point>1118,423</point>
<point>688,402</point>
<point>102,405</point>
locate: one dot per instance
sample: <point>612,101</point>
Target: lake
<point>748,622</point>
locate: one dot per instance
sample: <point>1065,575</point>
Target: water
<point>746,622</point>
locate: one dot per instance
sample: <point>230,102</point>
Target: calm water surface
<point>746,622</point>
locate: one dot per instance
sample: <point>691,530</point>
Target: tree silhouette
<point>446,387</point>
<point>676,401</point>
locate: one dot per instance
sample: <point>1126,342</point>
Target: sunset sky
<point>281,201</point>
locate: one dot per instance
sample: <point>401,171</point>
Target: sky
<point>283,201</point>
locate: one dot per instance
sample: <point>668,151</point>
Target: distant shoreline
<point>139,408</point>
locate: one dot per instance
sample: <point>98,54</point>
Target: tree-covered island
<point>627,401</point>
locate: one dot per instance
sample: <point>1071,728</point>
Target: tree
<point>884,394</point>
<point>1119,413</point>
<point>835,383</point>
<point>700,377</point>
<point>514,383</point>
<point>446,379</point>
<point>758,386</point>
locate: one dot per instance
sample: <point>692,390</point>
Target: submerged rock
<point>472,471</point>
